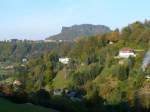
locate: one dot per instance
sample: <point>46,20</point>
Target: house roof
<point>127,50</point>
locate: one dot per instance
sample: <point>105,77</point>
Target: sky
<point>38,19</point>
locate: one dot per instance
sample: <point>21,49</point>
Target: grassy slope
<point>60,81</point>
<point>6,106</point>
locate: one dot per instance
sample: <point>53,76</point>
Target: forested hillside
<point>16,51</point>
<point>96,79</point>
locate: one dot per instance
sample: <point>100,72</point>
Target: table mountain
<point>75,31</point>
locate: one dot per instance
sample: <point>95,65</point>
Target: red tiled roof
<point>127,50</point>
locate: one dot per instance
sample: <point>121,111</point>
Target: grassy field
<point>6,106</point>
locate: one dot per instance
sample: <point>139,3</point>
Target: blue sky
<point>38,19</point>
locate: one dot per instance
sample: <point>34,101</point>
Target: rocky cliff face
<point>71,33</point>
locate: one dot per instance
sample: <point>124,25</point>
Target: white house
<point>64,60</point>
<point>147,77</point>
<point>111,42</point>
<point>24,60</point>
<point>126,53</point>
<point>50,41</point>
<point>9,67</point>
<point>17,83</point>
<point>58,92</point>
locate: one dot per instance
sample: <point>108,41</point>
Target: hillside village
<point>97,71</point>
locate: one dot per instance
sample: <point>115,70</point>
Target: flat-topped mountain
<point>71,33</point>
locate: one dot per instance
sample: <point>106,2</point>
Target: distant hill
<point>73,32</point>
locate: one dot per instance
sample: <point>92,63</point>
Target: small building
<point>60,41</point>
<point>64,60</point>
<point>111,42</point>
<point>58,92</point>
<point>22,65</point>
<point>24,60</point>
<point>126,53</point>
<point>50,41</point>
<point>147,77</point>
<point>9,67</point>
<point>17,83</point>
